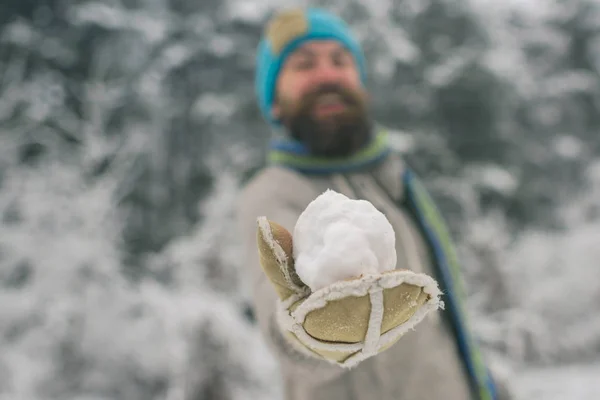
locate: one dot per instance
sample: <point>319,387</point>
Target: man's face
<point>321,100</point>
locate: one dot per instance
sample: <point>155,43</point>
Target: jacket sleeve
<point>294,364</point>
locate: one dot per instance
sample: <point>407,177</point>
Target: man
<point>310,84</point>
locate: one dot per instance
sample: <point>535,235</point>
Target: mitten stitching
<point>374,327</point>
<point>371,284</point>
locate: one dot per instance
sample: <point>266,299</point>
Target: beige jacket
<point>423,365</point>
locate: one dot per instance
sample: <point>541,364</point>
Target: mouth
<point>330,103</point>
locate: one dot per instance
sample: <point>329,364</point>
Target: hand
<point>348,321</point>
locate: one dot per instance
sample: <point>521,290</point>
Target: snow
<point>569,147</point>
<point>338,238</point>
<point>153,28</point>
<point>401,141</point>
<point>573,382</point>
<point>494,177</point>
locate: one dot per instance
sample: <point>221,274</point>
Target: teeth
<point>329,99</point>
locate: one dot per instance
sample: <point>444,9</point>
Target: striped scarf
<point>293,154</point>
<point>450,279</point>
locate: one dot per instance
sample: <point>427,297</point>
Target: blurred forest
<point>128,126</point>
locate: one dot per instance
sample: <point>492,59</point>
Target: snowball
<point>338,238</point>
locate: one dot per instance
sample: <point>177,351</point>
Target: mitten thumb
<point>275,248</point>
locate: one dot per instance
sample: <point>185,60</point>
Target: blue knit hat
<point>284,34</point>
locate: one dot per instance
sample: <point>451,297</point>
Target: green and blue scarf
<point>291,154</point>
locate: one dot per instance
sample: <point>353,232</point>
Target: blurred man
<point>310,84</point>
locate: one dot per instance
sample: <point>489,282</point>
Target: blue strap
<point>470,353</point>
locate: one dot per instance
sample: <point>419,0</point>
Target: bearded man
<point>311,87</point>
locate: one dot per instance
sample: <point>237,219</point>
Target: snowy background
<point>128,126</point>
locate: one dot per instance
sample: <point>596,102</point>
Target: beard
<point>334,136</point>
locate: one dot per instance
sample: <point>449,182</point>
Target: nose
<point>327,72</point>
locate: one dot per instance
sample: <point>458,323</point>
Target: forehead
<point>319,47</point>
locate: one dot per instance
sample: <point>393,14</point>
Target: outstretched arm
<point>293,362</point>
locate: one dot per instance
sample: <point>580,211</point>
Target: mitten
<point>349,320</point>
